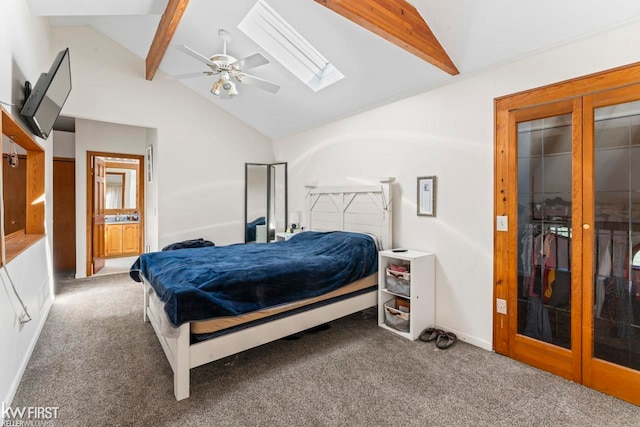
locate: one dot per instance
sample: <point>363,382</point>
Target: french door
<point>568,264</point>
<point>611,300</point>
<point>545,299</point>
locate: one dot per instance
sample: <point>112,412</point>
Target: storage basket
<point>395,318</point>
<point>398,282</point>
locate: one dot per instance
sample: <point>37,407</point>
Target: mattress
<point>227,281</point>
<point>218,324</point>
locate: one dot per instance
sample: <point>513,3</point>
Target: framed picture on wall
<point>149,161</point>
<point>427,195</point>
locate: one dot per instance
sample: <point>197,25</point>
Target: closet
<point>567,178</point>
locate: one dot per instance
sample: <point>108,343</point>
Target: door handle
<point>586,226</point>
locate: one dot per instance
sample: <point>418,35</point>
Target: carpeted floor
<point>103,366</point>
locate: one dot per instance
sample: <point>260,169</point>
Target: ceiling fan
<point>229,69</point>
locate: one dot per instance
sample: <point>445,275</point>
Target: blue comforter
<point>203,283</point>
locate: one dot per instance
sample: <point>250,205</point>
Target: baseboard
<point>23,366</point>
<point>485,345</point>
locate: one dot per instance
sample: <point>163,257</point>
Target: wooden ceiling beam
<point>398,22</point>
<point>166,28</point>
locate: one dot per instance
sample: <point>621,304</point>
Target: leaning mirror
<point>256,192</point>
<point>265,201</point>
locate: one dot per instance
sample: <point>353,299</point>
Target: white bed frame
<point>365,209</point>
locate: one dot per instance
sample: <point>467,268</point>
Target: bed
<point>195,327</point>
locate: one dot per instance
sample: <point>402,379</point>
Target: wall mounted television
<point>43,103</point>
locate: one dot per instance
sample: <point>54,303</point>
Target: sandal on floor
<point>424,335</point>
<point>430,334</point>
<point>446,340</point>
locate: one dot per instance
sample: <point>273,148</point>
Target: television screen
<point>42,107</point>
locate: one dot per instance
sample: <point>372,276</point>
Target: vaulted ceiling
<point>474,34</point>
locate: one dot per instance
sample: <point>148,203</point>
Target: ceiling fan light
<point>225,80</point>
<point>232,89</point>
<point>216,88</point>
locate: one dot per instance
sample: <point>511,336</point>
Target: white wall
<point>200,150</point>
<point>7,146</point>
<point>64,144</point>
<point>98,136</point>
<point>448,132</point>
<point>24,54</point>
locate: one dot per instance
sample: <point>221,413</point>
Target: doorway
<point>115,211</point>
<point>64,216</point>
<point>567,264</point>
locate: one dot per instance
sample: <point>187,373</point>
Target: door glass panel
<point>616,334</point>
<point>544,229</point>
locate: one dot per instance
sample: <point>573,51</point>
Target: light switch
<point>501,306</point>
<point>502,223</point>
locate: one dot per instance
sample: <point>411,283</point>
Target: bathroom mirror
<point>121,185</point>
<point>265,201</point>
<point>114,196</point>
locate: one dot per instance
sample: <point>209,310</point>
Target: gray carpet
<point>103,366</point>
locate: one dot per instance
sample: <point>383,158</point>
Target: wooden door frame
<point>504,250</point>
<point>505,186</point>
<point>140,199</point>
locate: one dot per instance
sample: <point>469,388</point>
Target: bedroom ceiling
<point>476,34</point>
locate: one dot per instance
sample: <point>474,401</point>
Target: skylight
<point>273,34</point>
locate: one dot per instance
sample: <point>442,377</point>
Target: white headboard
<point>365,209</point>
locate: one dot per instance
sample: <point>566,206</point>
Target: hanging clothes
<point>549,275</point>
<point>526,258</point>
<point>604,269</point>
<point>618,287</point>
<point>544,266</point>
<point>537,261</point>
<point>538,325</point>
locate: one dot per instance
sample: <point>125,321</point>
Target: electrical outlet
<point>501,306</point>
<point>502,223</point>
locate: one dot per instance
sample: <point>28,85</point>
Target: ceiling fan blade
<point>249,62</point>
<point>191,75</point>
<point>196,55</point>
<point>258,82</point>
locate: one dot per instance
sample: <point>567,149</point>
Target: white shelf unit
<point>283,236</point>
<point>422,267</point>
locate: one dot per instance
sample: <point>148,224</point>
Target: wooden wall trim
<point>580,86</point>
<point>35,185</point>
<point>35,192</point>
<point>121,165</point>
<point>500,240</point>
<point>17,133</point>
<point>398,22</point>
<point>89,213</point>
<point>166,28</point>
